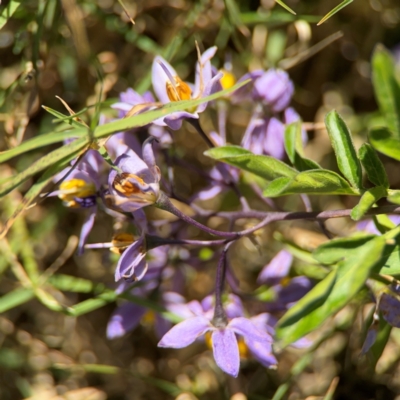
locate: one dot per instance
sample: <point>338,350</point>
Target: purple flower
<point>223,336</point>
<point>169,87</point>
<point>272,88</point>
<point>286,290</point>
<point>136,184</point>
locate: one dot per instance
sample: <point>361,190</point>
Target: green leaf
<point>394,196</point>
<point>15,298</point>
<point>70,283</point>
<point>265,167</point>
<point>8,11</point>
<point>386,87</point>
<point>286,7</point>
<point>332,293</point>
<point>55,156</point>
<point>334,11</point>
<point>373,166</point>
<point>368,199</point>
<point>385,142</point>
<point>335,250</point>
<point>342,144</point>
<point>294,149</point>
<point>319,181</point>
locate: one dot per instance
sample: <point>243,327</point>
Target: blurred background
<point>87,51</point>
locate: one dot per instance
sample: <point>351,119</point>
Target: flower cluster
<point>150,263</point>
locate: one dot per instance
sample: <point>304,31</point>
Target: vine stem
<point>165,203</point>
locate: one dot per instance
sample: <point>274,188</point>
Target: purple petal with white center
<point>86,228</point>
<point>274,142</point>
<point>203,72</point>
<point>160,79</point>
<point>389,305</point>
<point>276,269</point>
<point>226,351</point>
<point>132,264</point>
<point>124,319</point>
<point>185,333</point>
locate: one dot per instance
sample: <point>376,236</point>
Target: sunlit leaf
<point>342,144</point>
<point>373,166</point>
<point>332,293</point>
<point>368,199</point>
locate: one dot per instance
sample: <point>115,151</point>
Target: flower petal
<point>389,305</point>
<point>86,228</point>
<point>132,265</point>
<point>226,351</point>
<point>185,333</point>
<point>276,269</point>
<point>124,319</point>
<point>160,78</point>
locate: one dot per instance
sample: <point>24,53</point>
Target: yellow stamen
<point>124,186</point>
<point>178,91</point>
<point>285,281</point>
<point>149,318</point>
<point>75,188</point>
<point>228,79</point>
<point>121,241</point>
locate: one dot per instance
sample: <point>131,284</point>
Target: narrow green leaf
<point>383,141</point>
<point>386,87</point>
<point>342,144</point>
<point>286,7</point>
<point>15,298</point>
<point>70,283</point>
<point>368,199</point>
<point>46,161</point>
<point>48,300</point>
<point>294,148</point>
<point>335,10</point>
<point>373,166</point>
<point>8,11</point>
<point>319,181</point>
<point>335,250</point>
<point>331,294</point>
<point>265,167</point>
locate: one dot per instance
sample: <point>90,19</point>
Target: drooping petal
<point>160,78</point>
<point>370,339</point>
<point>274,140</point>
<point>185,333</point>
<point>203,71</point>
<point>132,264</point>
<point>86,228</point>
<point>174,120</point>
<point>389,305</point>
<point>276,269</point>
<point>226,351</point>
<point>149,158</point>
<point>124,319</point>
<point>246,328</point>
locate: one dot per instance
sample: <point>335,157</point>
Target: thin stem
<point>196,124</point>
<point>156,241</point>
<point>164,203</point>
<point>220,319</point>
